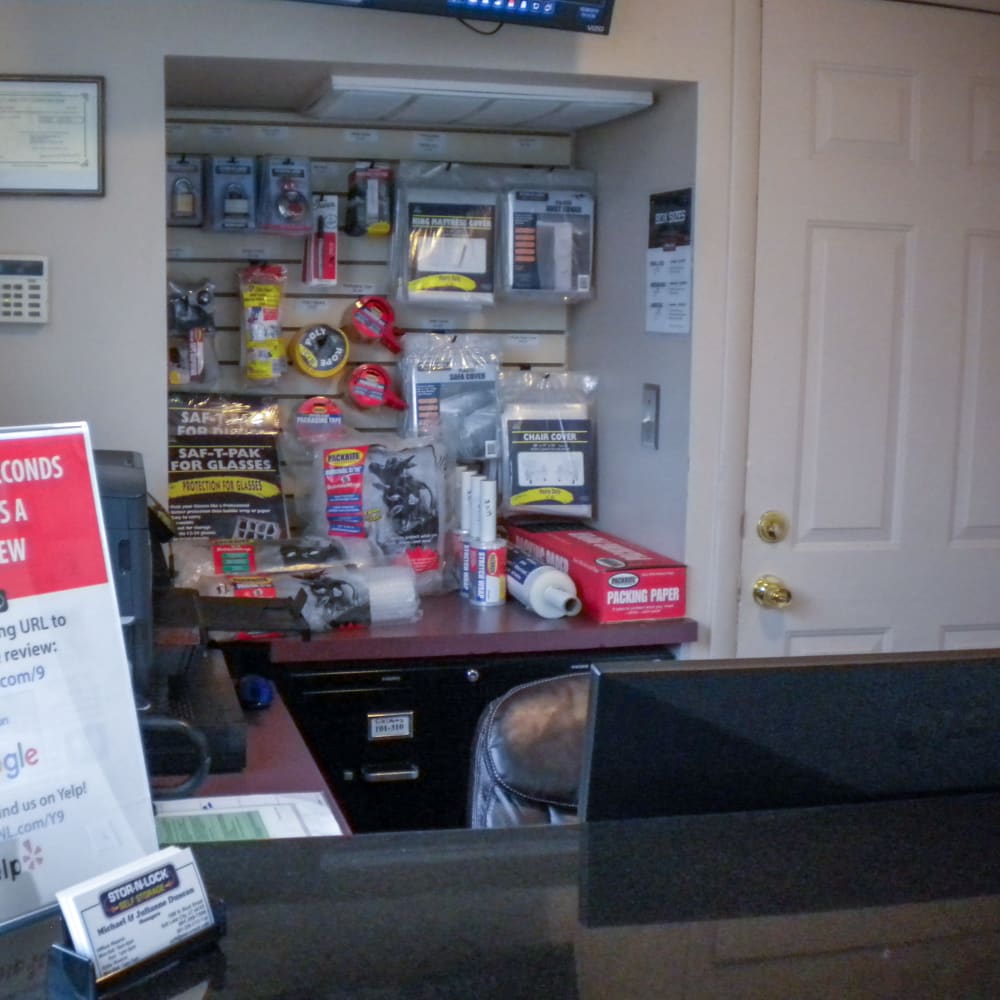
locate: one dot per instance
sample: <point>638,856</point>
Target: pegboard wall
<point>530,334</point>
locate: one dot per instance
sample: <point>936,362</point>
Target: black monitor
<point>686,737</point>
<point>591,16</point>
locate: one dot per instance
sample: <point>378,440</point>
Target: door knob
<point>772,527</point>
<point>770,592</point>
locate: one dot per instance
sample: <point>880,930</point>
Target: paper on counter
<point>245,817</point>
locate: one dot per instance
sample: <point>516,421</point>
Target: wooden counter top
<point>450,626</point>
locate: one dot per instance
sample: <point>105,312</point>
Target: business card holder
<point>167,974</point>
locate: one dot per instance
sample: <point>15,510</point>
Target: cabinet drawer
<point>395,742</point>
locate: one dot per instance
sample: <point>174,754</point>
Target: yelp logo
<point>31,856</point>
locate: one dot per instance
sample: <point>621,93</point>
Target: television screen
<point>730,735</point>
<point>592,16</point>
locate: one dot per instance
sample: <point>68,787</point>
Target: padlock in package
<point>232,203</point>
<point>185,190</point>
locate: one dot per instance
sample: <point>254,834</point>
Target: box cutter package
<point>616,580</point>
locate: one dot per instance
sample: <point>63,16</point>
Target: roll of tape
<point>317,418</point>
<point>370,386</point>
<point>371,316</point>
<point>319,351</point>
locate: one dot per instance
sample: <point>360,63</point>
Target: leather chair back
<point>527,754</point>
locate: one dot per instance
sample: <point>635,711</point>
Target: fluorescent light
<point>407,101</point>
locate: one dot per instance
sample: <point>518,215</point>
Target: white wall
<point>642,492</point>
<point>101,358</point>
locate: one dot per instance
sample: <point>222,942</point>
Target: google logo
<point>17,760</point>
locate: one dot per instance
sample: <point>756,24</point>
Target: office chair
<point>527,754</point>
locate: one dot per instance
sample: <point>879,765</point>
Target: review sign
<point>74,794</point>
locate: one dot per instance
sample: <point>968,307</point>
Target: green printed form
<point>209,827</point>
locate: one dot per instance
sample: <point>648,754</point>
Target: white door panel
<point>875,409</point>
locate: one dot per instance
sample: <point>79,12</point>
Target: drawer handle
<point>404,772</point>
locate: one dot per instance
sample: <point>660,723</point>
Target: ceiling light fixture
<point>414,102</point>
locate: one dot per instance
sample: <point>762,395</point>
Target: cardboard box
<point>617,580</point>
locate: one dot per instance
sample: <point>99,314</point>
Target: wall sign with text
<point>668,263</point>
<point>74,792</point>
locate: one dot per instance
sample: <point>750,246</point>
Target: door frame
<point>720,395</point>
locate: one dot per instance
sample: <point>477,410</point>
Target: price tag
<point>279,132</point>
<point>361,136</point>
<point>435,323</point>
<point>359,288</point>
<point>430,142</point>
<point>218,131</point>
<point>526,143</point>
<point>313,305</point>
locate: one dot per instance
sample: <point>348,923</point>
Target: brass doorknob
<point>770,592</point>
<point>772,527</point>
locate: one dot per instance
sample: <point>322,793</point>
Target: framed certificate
<point>52,135</point>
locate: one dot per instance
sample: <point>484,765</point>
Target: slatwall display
<point>530,334</point>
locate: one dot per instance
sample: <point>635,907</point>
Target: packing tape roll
<point>320,351</point>
<point>370,386</point>
<point>371,316</point>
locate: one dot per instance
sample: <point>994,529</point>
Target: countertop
<point>892,899</point>
<point>448,627</point>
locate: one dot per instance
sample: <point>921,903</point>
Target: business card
<point>137,910</point>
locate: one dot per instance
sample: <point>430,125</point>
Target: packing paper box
<point>617,580</point>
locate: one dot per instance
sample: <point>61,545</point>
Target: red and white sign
<point>74,793</point>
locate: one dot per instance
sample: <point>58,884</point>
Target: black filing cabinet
<point>394,738</point>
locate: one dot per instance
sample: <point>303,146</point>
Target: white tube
<point>465,509</point>
<point>488,512</point>
<point>547,591</point>
<point>476,506</point>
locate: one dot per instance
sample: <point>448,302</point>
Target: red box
<point>616,580</point>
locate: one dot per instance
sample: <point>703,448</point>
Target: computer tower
<point>121,480</point>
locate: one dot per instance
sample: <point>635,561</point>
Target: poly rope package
<point>548,441</point>
<point>451,385</point>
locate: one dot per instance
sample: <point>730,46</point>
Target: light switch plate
<point>649,426</point>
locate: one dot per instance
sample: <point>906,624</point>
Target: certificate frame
<point>51,135</point>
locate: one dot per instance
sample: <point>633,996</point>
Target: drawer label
<point>390,725</point>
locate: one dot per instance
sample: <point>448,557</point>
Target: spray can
<point>547,591</point>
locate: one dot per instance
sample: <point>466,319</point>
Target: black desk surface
<point>884,900</point>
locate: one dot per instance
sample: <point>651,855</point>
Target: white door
<point>874,421</point>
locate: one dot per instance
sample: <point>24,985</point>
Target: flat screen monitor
<point>687,737</point>
<point>592,16</point>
